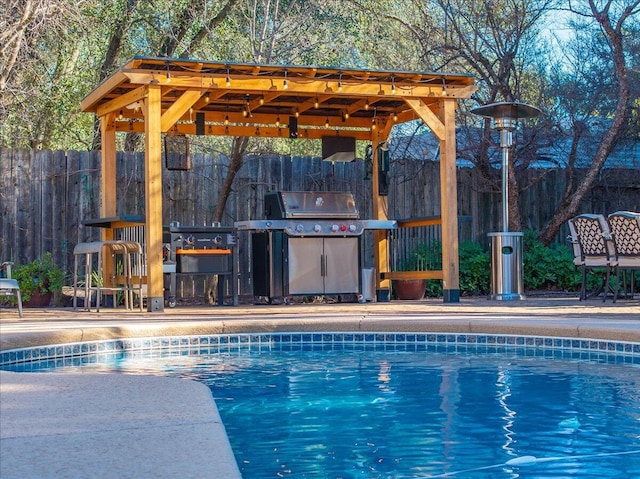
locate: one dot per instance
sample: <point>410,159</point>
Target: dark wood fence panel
<point>46,195</point>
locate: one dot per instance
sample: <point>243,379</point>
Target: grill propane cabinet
<point>309,244</point>
<point>200,250</point>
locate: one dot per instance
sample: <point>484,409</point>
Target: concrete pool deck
<point>92,425</point>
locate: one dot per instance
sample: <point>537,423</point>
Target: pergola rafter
<point>159,95</point>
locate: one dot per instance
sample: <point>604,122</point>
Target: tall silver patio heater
<point>507,280</point>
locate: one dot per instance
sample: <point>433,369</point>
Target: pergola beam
<point>178,108</point>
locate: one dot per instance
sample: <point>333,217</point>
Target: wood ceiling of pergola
<point>259,100</point>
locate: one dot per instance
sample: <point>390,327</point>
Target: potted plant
<point>411,289</point>
<point>38,280</point>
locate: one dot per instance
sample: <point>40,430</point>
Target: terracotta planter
<point>38,300</point>
<point>410,288</point>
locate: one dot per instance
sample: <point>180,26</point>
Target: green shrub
<point>40,275</point>
<point>548,267</point>
<point>545,267</point>
<point>475,266</point>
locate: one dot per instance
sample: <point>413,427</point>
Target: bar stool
<point>133,272</point>
<point>107,251</point>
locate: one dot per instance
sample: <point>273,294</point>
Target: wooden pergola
<point>155,96</point>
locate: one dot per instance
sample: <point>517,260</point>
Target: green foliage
<point>424,258</point>
<point>41,275</point>
<point>545,267</point>
<point>548,267</point>
<point>475,267</point>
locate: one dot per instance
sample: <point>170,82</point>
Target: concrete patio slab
<point>109,425</point>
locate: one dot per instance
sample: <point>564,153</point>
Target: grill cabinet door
<point>341,265</point>
<point>306,256</point>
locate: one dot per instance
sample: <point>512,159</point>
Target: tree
<point>39,61</point>
<point>611,24</point>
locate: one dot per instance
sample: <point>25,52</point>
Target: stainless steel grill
<point>308,244</point>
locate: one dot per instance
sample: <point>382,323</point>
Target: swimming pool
<point>396,404</point>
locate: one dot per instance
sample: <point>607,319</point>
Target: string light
<point>228,82</point>
<point>326,123</point>
<point>366,104</point>
<point>340,82</point>
<point>285,85</point>
<point>316,104</point>
<point>393,84</point>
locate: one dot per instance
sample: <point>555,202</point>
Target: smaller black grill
<point>206,250</point>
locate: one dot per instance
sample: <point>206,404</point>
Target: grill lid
<point>310,204</point>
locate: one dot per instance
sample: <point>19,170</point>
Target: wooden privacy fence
<point>45,196</point>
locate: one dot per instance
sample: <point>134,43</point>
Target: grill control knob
<point>217,240</point>
<point>343,227</point>
<point>317,228</point>
<point>352,228</point>
<point>334,228</point>
<point>299,228</point>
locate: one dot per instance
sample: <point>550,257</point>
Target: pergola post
<point>449,206</point>
<point>153,198</point>
<point>443,125</point>
<point>380,239</point>
<point>108,171</point>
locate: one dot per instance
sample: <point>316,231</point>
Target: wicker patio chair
<point>625,232</point>
<point>596,250</point>
<point>10,286</point>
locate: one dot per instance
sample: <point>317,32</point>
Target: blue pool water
<point>398,410</point>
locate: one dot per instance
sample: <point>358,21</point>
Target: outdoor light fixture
<point>285,85</point>
<point>338,148</point>
<point>507,275</point>
<point>505,117</point>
